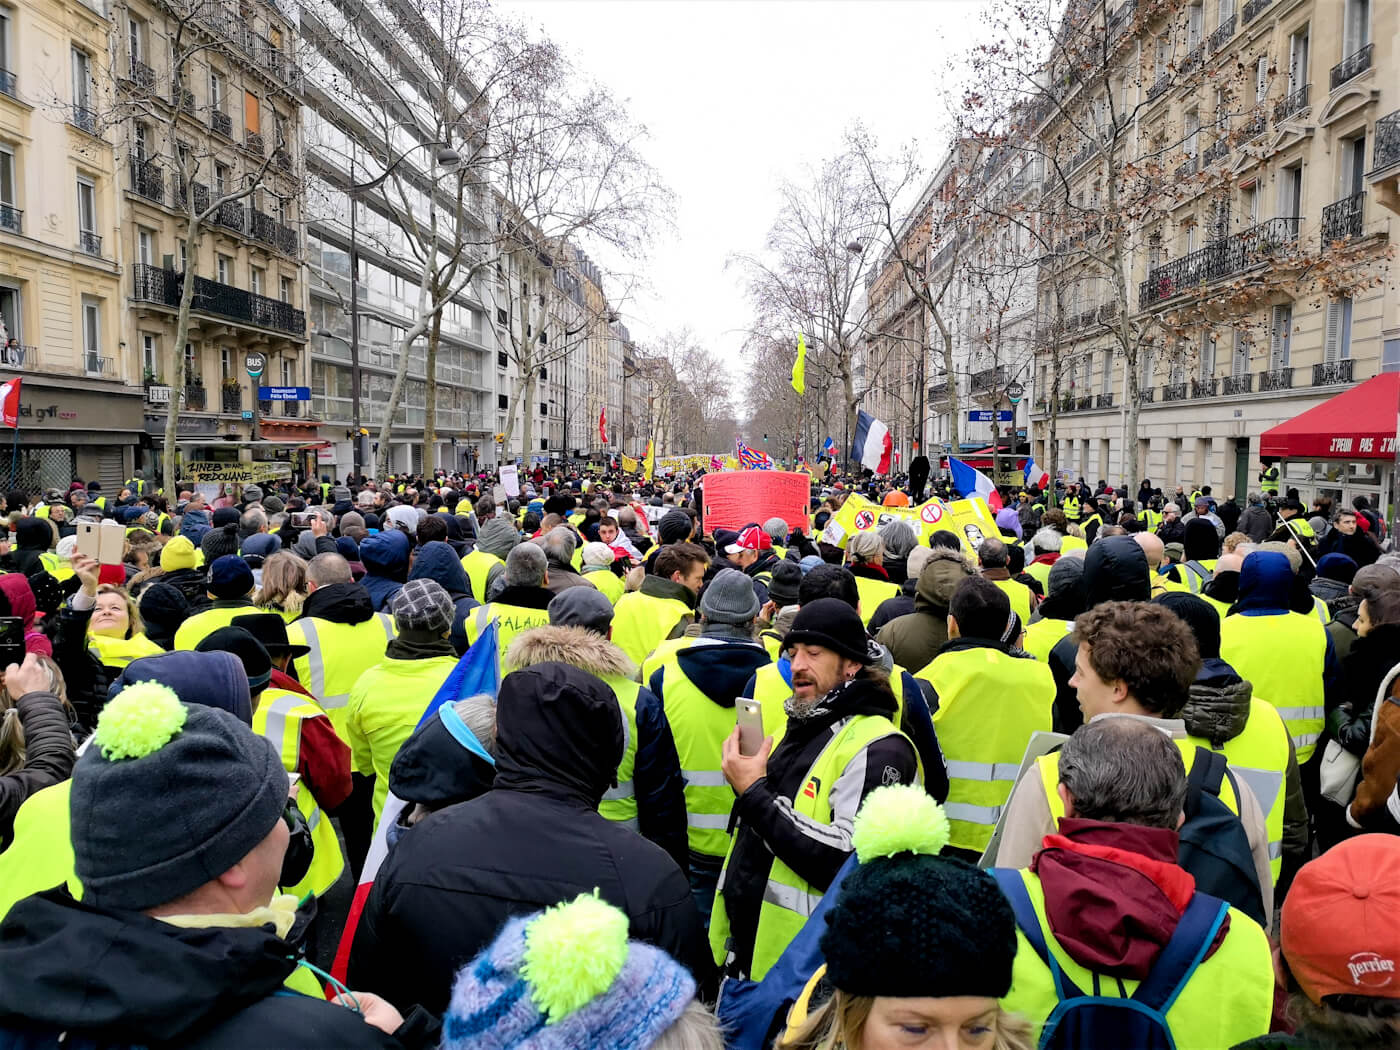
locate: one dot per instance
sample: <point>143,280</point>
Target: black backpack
<point>1214,847</point>
<point>1088,1020</point>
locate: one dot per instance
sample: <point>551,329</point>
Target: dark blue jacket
<point>438,562</point>
<point>385,557</point>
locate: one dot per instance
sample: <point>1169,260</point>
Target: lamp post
<point>449,161</point>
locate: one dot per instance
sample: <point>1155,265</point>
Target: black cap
<point>250,652</point>
<point>271,630</point>
<point>834,625</point>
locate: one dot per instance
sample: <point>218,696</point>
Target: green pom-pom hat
<point>139,721</point>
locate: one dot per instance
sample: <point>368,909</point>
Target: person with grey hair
<point>994,559</point>
<point>865,554</point>
<point>1045,551</point>
<point>559,544</point>
<point>1256,522</point>
<point>522,604</point>
<point>777,530</point>
<point>899,539</point>
<point>1121,789</point>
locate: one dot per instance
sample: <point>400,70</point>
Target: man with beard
<point>793,815</point>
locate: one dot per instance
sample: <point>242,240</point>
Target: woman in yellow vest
<point>865,555</point>
<point>36,744</point>
<point>283,587</point>
<point>916,947</point>
<point>116,635</point>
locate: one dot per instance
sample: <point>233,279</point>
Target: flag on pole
<point>603,425</point>
<point>972,482</point>
<point>829,449</point>
<point>871,447</point>
<point>750,459</point>
<point>1034,475</point>
<point>799,367</point>
<point>716,464</point>
<point>9,402</point>
<point>477,672</point>
<point>649,463</point>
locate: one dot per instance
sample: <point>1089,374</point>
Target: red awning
<point>1356,424</point>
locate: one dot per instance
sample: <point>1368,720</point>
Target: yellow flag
<point>649,462</point>
<point>629,465</point>
<point>799,367</point>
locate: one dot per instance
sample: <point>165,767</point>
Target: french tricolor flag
<point>972,482</point>
<point>871,446</point>
<point>1035,476</point>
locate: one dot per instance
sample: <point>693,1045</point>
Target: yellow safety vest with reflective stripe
<point>118,652</point>
<point>41,511</point>
<point>1044,635</point>
<point>772,642</point>
<point>607,581</point>
<point>340,653</point>
<point>620,803</point>
<point>788,899</point>
<point>1239,972</point>
<point>40,856</point>
<point>1269,481</point>
<point>665,648</point>
<point>1259,758</point>
<point>642,621</point>
<point>202,624</point>
<point>1070,505</point>
<point>1020,596</point>
<point>989,705</point>
<point>1320,610</point>
<point>511,620</point>
<point>478,567</point>
<point>772,690</point>
<point>872,593</point>
<point>1151,519</point>
<point>278,717</point>
<point>57,567</point>
<point>699,727</point>
<point>1283,655</point>
<point>1073,543</point>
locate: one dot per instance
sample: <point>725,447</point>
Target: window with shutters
<point>1239,362</point>
<point>1338,341</point>
<point>1281,336</point>
<point>1195,23</point>
<point>1261,78</point>
<point>1145,368</point>
<point>1207,361</point>
<point>1107,382</point>
<point>1298,60</point>
<point>252,117</point>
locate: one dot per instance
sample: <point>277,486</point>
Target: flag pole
<point>14,449</point>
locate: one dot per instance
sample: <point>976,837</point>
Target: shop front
<point>73,431</point>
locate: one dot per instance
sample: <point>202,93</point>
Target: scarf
<point>401,648</point>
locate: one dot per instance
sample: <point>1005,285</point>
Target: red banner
<point>736,497</point>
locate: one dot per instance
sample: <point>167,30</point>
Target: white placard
<point>510,480</point>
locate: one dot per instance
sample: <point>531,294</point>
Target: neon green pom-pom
<point>142,718</point>
<point>901,818</point>
<point>573,953</point>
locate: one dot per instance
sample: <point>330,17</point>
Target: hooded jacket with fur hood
<point>656,774</point>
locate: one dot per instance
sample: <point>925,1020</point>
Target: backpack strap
<point>1013,886</point>
<point>1207,772</point>
<point>1189,943</point>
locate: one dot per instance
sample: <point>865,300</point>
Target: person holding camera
<point>36,745</point>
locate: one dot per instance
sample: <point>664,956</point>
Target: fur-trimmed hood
<point>577,646</point>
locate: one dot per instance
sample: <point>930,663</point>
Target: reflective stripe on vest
<point>641,621</point>
<point>356,651</point>
<point>1283,656</point>
<point>989,705</point>
<point>278,718</point>
<point>788,899</point>
<point>620,803</point>
<point>511,620</point>
<point>1258,756</point>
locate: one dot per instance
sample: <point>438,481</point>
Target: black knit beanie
<point>908,923</point>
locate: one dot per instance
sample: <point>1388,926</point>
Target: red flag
<point>9,403</point>
<point>602,425</point>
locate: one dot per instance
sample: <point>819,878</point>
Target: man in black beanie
<point>796,802</point>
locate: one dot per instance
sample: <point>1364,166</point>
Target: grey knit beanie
<point>498,537</point>
<point>1065,573</point>
<point>218,542</point>
<point>729,598</point>
<point>167,797</point>
<point>422,606</point>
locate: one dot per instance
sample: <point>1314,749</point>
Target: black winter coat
<point>533,840</point>
<point>48,745</point>
<point>123,978</point>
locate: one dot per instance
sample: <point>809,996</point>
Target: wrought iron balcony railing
<point>8,83</point>
<point>11,218</point>
<point>1352,66</point>
<point>84,118</point>
<point>1103,401</point>
<point>156,285</point>
<point>1332,373</point>
<point>1292,103</point>
<point>1203,387</point>
<point>1192,61</point>
<point>194,397</point>
<point>1231,385</point>
<point>1217,260</point>
<point>1387,151</point>
<point>1276,379</point>
<point>1217,149</point>
<point>95,364</point>
<point>221,122</point>
<point>1252,10</point>
<point>90,242</point>
<point>1222,35</point>
<point>1341,220</point>
<point>1174,392</point>
<point>148,180</point>
<point>1145,395</point>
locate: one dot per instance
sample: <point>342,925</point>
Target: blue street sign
<point>284,393</point>
<point>247,414</point>
<point>985,415</point>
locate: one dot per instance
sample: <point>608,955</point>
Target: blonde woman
<point>283,587</point>
<point>918,947</point>
<point>36,744</point>
<point>116,635</point>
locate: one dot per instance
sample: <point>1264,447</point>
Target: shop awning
<point>981,459</point>
<point>1356,424</point>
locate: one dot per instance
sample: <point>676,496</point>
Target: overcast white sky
<point>738,95</point>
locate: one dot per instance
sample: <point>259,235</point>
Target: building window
<point>223,267</point>
<point>502,318</point>
<point>216,91</point>
<point>1207,361</point>
<point>1298,60</point>
<point>287,378</point>
<point>1353,165</point>
<point>1338,345</point>
<point>145,246</point>
<point>191,367</point>
<point>259,280</point>
<point>1249,203</point>
<point>92,336</point>
<point>87,208</point>
<point>1239,362</point>
<point>7,176</point>
<point>502,401</point>
<point>1290,192</point>
<point>141,142</point>
<point>136,39</point>
<point>225,363</point>
<point>252,115</point>
<point>1281,336</point>
<point>5,41</point>
<point>1195,23</point>
<point>1261,78</point>
<point>10,316</point>
<point>221,179</point>
<point>1357,29</point>
<point>150,356</point>
<point>82,80</point>
<point>285,289</point>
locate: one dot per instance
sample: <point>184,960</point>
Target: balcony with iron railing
<point>1202,387</point>
<point>148,180</point>
<point>18,355</point>
<point>1187,168</point>
<point>1233,385</point>
<point>9,83</point>
<point>142,75</point>
<point>1275,379</point>
<point>90,242</point>
<point>254,142</point>
<point>1218,260</point>
<point>1192,61</point>
<point>1145,395</point>
<point>154,284</point>
<point>282,161</point>
<point>1103,401</point>
<point>989,380</point>
<point>194,397</point>
<point>1291,104</point>
<point>178,195</point>
<point>1222,35</point>
<point>94,364</point>
<point>230,400</point>
<point>1387,151</point>
<point>1342,220</point>
<point>1254,126</point>
<point>83,118</point>
<point>1159,87</point>
<point>1217,149</point>
<point>182,99</point>
<point>11,219</point>
<point>1253,9</point>
<point>1174,392</point>
<point>230,216</point>
<point>1352,66</point>
<point>1333,373</point>
<point>221,123</point>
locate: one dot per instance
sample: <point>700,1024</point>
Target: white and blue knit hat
<point>566,978</point>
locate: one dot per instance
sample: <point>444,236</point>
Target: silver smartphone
<point>749,715</point>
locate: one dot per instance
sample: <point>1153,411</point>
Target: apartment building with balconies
<point>60,293</point>
<point>1264,278</point>
<point>207,105</point>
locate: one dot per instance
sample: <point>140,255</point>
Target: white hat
<point>598,554</point>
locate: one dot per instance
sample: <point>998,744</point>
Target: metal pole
<point>357,457</point>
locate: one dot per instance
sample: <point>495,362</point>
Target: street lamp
<point>448,161</point>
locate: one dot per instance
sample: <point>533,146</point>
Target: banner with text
<point>970,519</point>
<point>735,498</point>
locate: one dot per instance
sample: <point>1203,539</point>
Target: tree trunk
<point>177,359</point>
<point>527,431</point>
<point>430,397</point>
<point>950,382</point>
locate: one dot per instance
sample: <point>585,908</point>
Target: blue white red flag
<point>972,482</point>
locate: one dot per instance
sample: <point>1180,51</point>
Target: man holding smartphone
<point>796,806</point>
